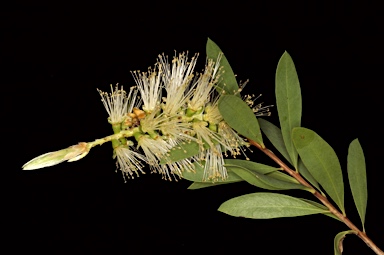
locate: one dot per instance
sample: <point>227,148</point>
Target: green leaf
<point>227,80</point>
<point>250,165</point>
<point>240,117</point>
<point>270,171</point>
<point>273,133</point>
<point>282,177</point>
<point>288,100</point>
<point>200,185</point>
<point>328,213</point>
<point>267,206</point>
<point>199,175</point>
<point>282,181</point>
<point>307,175</point>
<point>338,241</point>
<point>180,152</point>
<point>265,181</point>
<point>357,178</point>
<point>251,177</point>
<point>322,162</point>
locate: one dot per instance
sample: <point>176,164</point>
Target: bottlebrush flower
<point>258,109</point>
<point>150,87</point>
<point>231,141</point>
<point>118,103</point>
<point>205,85</point>
<point>177,82</point>
<point>154,150</point>
<point>129,162</point>
<point>188,112</point>
<point>214,168</point>
<point>159,124</point>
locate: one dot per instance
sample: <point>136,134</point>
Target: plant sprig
<point>186,133</point>
<point>310,156</point>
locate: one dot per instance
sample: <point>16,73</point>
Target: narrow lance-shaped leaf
<point>307,175</point>
<point>357,178</point>
<point>288,100</point>
<point>265,181</point>
<point>258,168</point>
<point>282,177</point>
<point>227,81</point>
<point>200,185</point>
<point>250,165</point>
<point>250,177</point>
<point>322,162</point>
<point>240,117</point>
<point>328,213</point>
<point>338,241</point>
<point>274,135</point>
<point>198,175</point>
<point>230,164</point>
<point>267,206</point>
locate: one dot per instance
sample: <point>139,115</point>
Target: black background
<point>55,56</point>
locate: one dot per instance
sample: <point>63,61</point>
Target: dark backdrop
<point>55,56</point>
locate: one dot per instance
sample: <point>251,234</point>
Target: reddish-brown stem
<point>363,236</point>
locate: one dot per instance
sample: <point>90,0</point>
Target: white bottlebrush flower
<point>154,150</point>
<point>176,169</point>
<point>212,113</point>
<point>223,141</point>
<point>177,79</point>
<point>231,141</point>
<point>150,86</point>
<point>171,128</point>
<point>258,109</point>
<point>118,103</point>
<point>204,86</point>
<point>205,135</point>
<point>129,162</point>
<point>182,165</point>
<point>213,160</point>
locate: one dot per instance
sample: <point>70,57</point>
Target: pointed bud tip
<point>71,153</point>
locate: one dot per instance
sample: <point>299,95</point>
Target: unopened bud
<point>69,154</point>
